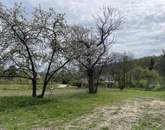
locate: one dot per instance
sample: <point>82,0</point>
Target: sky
<point>141,34</point>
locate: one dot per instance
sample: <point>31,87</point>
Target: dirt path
<point>139,114</point>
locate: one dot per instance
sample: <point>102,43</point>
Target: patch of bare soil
<point>119,117</point>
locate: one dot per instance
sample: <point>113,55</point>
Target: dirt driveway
<point>137,114</point>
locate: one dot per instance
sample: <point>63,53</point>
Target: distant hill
<point>143,62</point>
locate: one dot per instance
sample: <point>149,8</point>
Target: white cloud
<point>143,32</point>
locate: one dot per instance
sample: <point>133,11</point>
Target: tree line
<point>147,73</point>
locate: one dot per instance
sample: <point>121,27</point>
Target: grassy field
<point>59,106</point>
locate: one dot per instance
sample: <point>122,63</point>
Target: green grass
<point>150,123</point>
<point>24,112</point>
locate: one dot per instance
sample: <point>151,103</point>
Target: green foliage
<point>143,83</point>
<point>146,61</point>
<point>75,83</point>
<point>11,71</point>
<point>145,78</point>
<point>161,65</point>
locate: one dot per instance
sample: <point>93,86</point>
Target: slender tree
<point>151,64</point>
<point>19,41</point>
<point>55,36</point>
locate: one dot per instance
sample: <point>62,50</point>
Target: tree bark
<point>43,90</point>
<point>34,87</point>
<point>91,81</point>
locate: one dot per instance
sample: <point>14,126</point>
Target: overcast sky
<point>143,31</point>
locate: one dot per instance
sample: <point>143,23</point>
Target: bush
<point>145,78</point>
<point>64,81</point>
<point>79,83</point>
<point>143,83</point>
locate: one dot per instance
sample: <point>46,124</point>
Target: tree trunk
<point>34,87</point>
<point>96,88</point>
<point>91,81</point>
<point>121,82</point>
<point>43,90</point>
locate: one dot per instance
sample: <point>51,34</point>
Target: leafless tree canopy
<point>92,45</point>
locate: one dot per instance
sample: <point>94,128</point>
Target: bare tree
<point>92,45</point>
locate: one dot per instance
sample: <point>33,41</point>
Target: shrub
<point>143,83</point>
<point>145,78</point>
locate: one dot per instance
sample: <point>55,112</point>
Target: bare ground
<point>137,114</point>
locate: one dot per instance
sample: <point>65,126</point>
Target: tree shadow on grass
<point>12,103</point>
